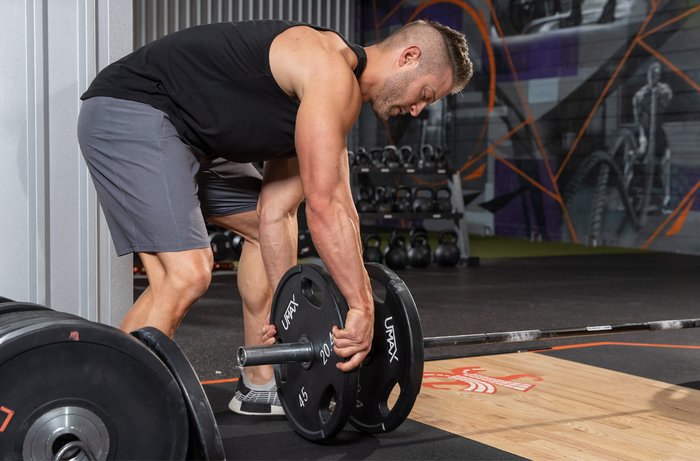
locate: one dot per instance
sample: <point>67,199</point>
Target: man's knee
<point>188,273</point>
<point>196,281</point>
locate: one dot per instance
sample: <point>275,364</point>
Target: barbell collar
<point>301,352</point>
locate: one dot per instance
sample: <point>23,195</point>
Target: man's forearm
<point>336,235</point>
<point>278,244</point>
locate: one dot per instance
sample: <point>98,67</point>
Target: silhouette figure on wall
<point>649,103</point>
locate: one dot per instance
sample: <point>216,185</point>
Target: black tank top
<point>215,84</point>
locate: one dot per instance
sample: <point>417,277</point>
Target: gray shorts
<point>146,178</point>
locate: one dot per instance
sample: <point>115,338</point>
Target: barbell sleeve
<point>303,351</point>
<point>300,352</point>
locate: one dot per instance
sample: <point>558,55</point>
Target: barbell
<point>319,399</point>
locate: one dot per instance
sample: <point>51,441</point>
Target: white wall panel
<point>55,247</point>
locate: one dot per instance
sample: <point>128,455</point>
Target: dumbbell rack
<point>457,216</point>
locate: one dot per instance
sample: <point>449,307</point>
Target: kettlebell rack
<point>385,206</point>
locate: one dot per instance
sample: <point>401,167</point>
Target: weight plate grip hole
<point>312,292</point>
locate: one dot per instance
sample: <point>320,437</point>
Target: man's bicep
<point>326,115</point>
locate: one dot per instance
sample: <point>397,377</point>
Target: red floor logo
<point>469,380</point>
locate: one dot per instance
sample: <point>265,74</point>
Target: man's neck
<point>370,80</point>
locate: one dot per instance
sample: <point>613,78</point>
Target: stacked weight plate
<point>75,389</point>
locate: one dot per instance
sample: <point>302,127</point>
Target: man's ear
<point>410,56</point>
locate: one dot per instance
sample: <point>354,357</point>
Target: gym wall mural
<point>582,122</point>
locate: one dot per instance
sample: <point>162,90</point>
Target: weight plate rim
<point>414,374</point>
<point>344,403</point>
<point>170,353</point>
<point>24,324</point>
<point>11,307</point>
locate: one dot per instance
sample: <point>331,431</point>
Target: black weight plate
<point>5,300</point>
<point>19,318</point>
<point>396,358</point>
<point>205,439</point>
<point>317,397</point>
<point>65,379</point>
<point>11,306</point>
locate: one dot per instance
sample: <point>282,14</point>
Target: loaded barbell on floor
<point>319,399</point>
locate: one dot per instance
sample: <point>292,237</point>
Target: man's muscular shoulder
<point>303,55</point>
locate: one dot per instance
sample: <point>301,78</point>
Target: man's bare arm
<point>280,197</point>
<point>322,80</point>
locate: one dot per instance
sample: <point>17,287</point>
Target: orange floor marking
<point>220,381</point>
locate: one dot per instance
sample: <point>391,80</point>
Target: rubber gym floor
<point>624,396</point>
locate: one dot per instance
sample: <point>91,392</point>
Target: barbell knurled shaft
<point>482,338</point>
<point>533,335</point>
<point>276,354</point>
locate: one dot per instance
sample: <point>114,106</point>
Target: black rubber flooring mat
<point>271,437</point>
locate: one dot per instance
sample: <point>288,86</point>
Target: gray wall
<point>54,243</point>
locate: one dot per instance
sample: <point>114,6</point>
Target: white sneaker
<point>247,401</point>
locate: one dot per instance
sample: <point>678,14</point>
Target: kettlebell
<point>372,253</point>
<point>408,157</point>
<point>237,242</point>
<point>363,204</point>
<point>382,200</point>
<point>376,155</point>
<point>402,199</point>
<point>423,198</point>
<point>427,157</point>
<point>443,200</point>
<point>220,246</point>
<point>391,156</point>
<point>419,250</point>
<point>395,252</point>
<point>440,158</point>
<point>447,251</point>
<point>362,159</point>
